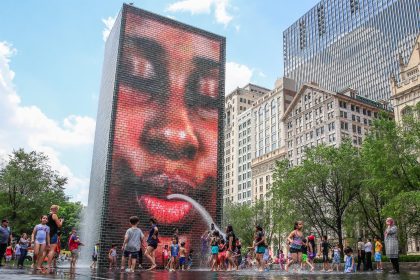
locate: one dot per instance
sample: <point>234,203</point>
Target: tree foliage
<point>28,187</point>
<point>322,188</point>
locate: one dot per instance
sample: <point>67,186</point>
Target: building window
<point>302,34</point>
<point>354,6</point>
<point>321,20</point>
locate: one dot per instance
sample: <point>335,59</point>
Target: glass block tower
<point>352,43</point>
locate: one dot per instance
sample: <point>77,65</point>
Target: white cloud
<point>193,6</point>
<point>28,127</point>
<point>109,23</point>
<point>237,75</point>
<point>204,6</point>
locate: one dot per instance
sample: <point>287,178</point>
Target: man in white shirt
<point>368,251</point>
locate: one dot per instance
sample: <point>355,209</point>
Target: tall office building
<point>352,43</point>
<point>237,133</point>
<point>268,135</point>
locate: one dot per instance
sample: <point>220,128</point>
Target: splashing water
<point>201,210</point>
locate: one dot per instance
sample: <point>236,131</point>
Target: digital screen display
<point>166,159</point>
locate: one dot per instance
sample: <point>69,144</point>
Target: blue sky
<point>51,55</point>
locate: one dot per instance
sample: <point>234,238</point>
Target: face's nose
<point>171,134</point>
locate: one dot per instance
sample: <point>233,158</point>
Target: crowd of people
<point>220,251</point>
<point>44,242</point>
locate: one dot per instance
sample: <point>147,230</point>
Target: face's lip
<point>158,206</point>
<point>169,183</point>
<point>164,210</point>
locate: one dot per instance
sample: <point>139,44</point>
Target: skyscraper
<point>352,43</point>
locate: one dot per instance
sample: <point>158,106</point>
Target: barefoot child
<point>174,254</point>
<point>378,253</point>
<point>41,238</point>
<point>165,256</point>
<point>336,258</point>
<point>112,256</point>
<point>305,260</point>
<point>325,246</point>
<point>190,259</point>
<point>182,258</point>
<point>94,256</point>
<point>295,240</point>
<point>349,266</point>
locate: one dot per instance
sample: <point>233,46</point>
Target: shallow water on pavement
<point>86,273</point>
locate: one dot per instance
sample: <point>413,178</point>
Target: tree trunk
<point>340,235</point>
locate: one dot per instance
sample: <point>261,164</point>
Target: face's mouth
<point>165,211</point>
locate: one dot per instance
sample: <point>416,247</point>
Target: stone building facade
<point>268,135</point>
<point>406,93</point>
<point>237,142</point>
<point>319,116</point>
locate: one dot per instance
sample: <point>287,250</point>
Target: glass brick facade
<point>352,43</point>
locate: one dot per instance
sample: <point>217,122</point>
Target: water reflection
<point>251,275</point>
<point>86,274</point>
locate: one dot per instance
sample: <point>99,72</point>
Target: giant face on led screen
<point>166,128</point>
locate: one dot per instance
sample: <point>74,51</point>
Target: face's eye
<point>209,85</point>
<point>143,68</point>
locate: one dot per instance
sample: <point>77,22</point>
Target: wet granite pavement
<point>86,273</point>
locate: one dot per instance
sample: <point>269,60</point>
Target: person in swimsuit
<point>231,246</point>
<point>112,256</point>
<point>165,256</point>
<point>214,243</point>
<point>260,247</point>
<point>304,250</point>
<point>174,254</point>
<point>311,249</point>
<point>295,240</point>
<point>152,243</point>
<point>182,256</point>
<point>222,255</point>
<point>54,224</point>
<point>41,239</point>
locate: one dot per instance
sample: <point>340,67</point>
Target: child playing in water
<point>165,256</point>
<point>182,258</point>
<point>305,260</point>
<point>336,257</point>
<point>174,254</point>
<point>325,247</point>
<point>214,243</point>
<point>41,238</point>
<point>222,255</point>
<point>190,259</point>
<point>112,256</point>
<point>349,266</point>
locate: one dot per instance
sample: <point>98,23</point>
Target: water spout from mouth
<point>201,210</point>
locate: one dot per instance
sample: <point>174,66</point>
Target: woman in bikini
<point>295,240</point>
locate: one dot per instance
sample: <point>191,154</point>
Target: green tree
<point>390,157</point>
<point>71,213</point>
<point>323,187</point>
<point>241,217</point>
<point>28,187</point>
